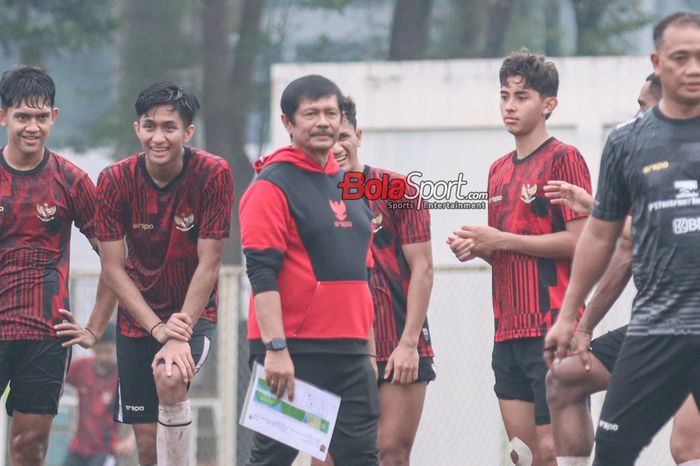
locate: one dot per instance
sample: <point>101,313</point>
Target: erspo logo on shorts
<point>609,426</point>
<point>684,225</point>
<point>136,409</point>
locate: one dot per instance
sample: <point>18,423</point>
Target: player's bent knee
<point>561,391</point>
<point>165,383</point>
<point>558,393</point>
<point>29,447</point>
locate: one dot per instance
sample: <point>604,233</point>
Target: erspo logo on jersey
<point>142,226</point>
<point>412,192</point>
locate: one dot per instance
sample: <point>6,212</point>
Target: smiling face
<point>28,128</point>
<point>523,109</point>
<point>345,149</point>
<point>315,126</point>
<point>163,135</point>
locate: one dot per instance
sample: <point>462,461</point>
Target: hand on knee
<point>560,393</point>
<point>171,389</point>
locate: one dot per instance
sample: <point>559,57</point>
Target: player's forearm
<point>199,291</point>
<point>611,285</point>
<point>590,261</point>
<point>129,296</point>
<point>417,301</point>
<point>559,245</point>
<point>268,312</point>
<point>105,303</point>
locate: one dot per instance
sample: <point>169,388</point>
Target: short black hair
<point>538,73</point>
<point>167,93</point>
<point>26,84</point>
<point>349,110</point>
<point>655,85</point>
<point>680,17</point>
<point>311,87</point>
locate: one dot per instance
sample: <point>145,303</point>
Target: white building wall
<point>442,118</point>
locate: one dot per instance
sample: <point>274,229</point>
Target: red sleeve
<point>413,224</point>
<point>265,226</point>
<point>83,201</point>
<point>109,208</point>
<point>218,202</point>
<point>571,167</point>
<point>265,217</point>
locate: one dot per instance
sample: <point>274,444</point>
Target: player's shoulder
<point>630,129</point>
<point>122,172</point>
<point>561,150</point>
<point>123,166</point>
<point>207,159</point>
<point>502,161</point>
<point>67,168</point>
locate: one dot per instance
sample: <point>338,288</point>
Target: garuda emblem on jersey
<point>527,193</point>
<point>339,210</point>
<point>184,222</point>
<point>45,213</point>
<point>377,223</point>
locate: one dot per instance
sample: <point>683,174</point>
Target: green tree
<point>601,25</point>
<point>156,42</point>
<point>38,28</point>
<point>410,29</point>
<point>228,90</point>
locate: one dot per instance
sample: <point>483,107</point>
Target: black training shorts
<point>137,398</point>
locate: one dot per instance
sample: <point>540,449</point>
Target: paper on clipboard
<point>305,424</point>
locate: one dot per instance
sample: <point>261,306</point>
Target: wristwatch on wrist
<point>276,344</point>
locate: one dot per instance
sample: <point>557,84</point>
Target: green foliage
<point>339,5</point>
<point>37,28</point>
<point>603,24</point>
<point>325,49</point>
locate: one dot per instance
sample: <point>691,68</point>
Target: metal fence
<point>461,424</point>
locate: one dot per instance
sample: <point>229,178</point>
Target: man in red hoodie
<point>307,255</point>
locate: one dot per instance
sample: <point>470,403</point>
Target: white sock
<point>522,450</point>
<point>572,460</point>
<point>691,463</point>
<point>174,432</point>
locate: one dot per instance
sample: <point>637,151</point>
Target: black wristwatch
<point>276,344</point>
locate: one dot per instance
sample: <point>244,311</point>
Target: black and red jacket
<point>301,239</point>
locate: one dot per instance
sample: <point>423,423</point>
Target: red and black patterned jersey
<point>37,208</point>
<point>96,433</point>
<point>528,291</point>
<point>394,227</point>
<point>163,225</point>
